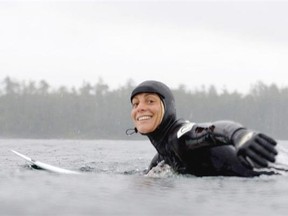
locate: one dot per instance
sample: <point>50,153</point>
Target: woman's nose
<point>141,106</point>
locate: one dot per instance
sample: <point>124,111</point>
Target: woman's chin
<point>144,130</point>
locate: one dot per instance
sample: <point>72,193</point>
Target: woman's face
<point>147,112</point>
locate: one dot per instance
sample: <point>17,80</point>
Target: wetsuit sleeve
<point>226,128</point>
<point>156,159</point>
<point>208,134</point>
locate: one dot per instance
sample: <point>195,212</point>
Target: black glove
<point>254,149</point>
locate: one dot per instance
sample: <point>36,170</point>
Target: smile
<point>141,118</point>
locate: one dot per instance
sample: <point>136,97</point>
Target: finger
<point>250,159</point>
<point>269,139</point>
<point>257,159</point>
<point>258,149</point>
<point>267,143</point>
<point>245,162</point>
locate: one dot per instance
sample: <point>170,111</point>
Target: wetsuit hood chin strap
<point>131,131</point>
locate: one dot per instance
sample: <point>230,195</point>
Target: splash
<point>162,170</point>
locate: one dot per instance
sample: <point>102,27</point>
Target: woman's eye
<point>134,105</point>
<point>150,101</point>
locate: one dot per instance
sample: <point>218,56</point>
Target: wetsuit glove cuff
<point>241,136</point>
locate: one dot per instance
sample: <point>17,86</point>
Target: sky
<point>229,44</point>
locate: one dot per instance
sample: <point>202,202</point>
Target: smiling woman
<point>207,149</point>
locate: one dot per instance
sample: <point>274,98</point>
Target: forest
<point>35,110</point>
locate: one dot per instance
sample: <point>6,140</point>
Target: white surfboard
<point>45,166</point>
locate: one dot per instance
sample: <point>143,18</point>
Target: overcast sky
<point>230,44</point>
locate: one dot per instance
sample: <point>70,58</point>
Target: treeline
<point>35,110</point>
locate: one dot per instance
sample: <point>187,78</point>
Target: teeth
<point>143,118</point>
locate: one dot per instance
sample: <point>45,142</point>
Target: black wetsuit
<point>206,149</point>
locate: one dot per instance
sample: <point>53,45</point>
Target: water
<point>112,183</point>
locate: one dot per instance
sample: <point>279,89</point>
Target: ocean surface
<point>112,183</point>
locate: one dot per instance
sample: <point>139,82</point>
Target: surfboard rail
<point>40,165</point>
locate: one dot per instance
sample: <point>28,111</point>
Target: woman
<point>209,149</point>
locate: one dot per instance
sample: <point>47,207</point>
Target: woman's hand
<point>255,150</point>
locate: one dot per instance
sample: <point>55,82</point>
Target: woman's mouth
<point>142,118</point>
